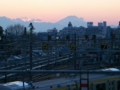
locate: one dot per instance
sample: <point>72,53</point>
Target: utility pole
<point>6,65</point>
<point>31,59</point>
<point>49,38</point>
<point>68,43</point>
<point>56,48</point>
<point>75,52</point>
<point>4,56</point>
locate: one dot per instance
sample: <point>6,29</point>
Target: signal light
<point>103,46</point>
<point>67,37</point>
<point>60,54</point>
<point>49,37</point>
<point>113,36</point>
<point>73,47</point>
<point>45,46</point>
<point>94,37</point>
<point>86,37</point>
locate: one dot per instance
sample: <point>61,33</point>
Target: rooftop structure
<point>89,24</point>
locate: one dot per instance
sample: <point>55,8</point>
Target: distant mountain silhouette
<point>74,20</point>
<point>4,21</point>
<point>113,26</point>
<point>43,26</point>
<point>39,26</point>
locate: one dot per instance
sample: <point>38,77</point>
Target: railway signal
<point>94,37</point>
<point>86,37</point>
<point>45,46</point>
<point>60,54</point>
<point>67,37</point>
<point>103,46</point>
<point>113,36</point>
<point>73,47</point>
<point>49,37</point>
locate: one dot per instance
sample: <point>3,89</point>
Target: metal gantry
<point>61,71</point>
<point>77,46</point>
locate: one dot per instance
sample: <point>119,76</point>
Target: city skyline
<point>55,10</point>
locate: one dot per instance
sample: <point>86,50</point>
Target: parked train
<point>16,85</point>
<point>107,82</point>
<point>99,82</point>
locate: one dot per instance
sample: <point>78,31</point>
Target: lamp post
<point>31,59</point>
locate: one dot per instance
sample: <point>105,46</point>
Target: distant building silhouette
<point>69,24</point>
<point>89,24</point>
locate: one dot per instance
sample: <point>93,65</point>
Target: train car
<point>110,69</point>
<point>16,85</point>
<point>106,82</point>
<point>99,82</point>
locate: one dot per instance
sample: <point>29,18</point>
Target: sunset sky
<point>54,10</point>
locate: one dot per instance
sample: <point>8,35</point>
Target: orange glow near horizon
<point>54,10</point>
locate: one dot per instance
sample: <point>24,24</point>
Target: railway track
<point>46,76</point>
<point>37,66</point>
